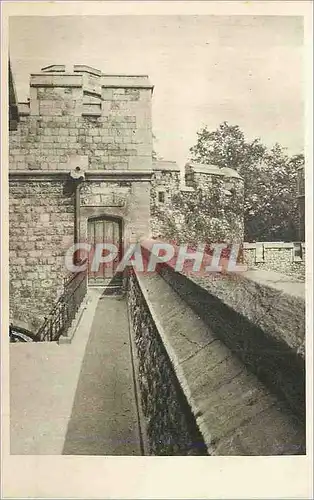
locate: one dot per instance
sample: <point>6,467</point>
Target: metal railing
<point>19,334</point>
<point>61,316</point>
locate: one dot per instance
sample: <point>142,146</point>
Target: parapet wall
<point>240,367</point>
<point>260,316</point>
<point>170,424</point>
<point>286,258</point>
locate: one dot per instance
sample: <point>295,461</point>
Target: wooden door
<point>104,230</point>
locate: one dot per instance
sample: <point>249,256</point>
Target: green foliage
<point>270,200</point>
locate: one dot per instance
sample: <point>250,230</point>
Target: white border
<point>156,477</point>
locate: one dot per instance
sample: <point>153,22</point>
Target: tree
<point>270,204</point>
<point>227,147</point>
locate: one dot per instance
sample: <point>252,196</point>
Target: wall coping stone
<point>202,168</point>
<point>75,80</point>
<point>235,413</point>
<point>166,165</point>
<point>271,308</point>
<point>91,113</point>
<point>56,80</point>
<point>83,68</point>
<point>59,68</point>
<point>271,244</point>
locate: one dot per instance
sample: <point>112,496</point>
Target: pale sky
<point>205,69</point>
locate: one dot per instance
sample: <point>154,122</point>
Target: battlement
<point>82,88</point>
<point>56,75</point>
<point>81,112</point>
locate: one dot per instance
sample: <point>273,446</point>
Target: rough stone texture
<point>84,119</point>
<point>41,229</point>
<point>166,179</point>
<point>208,207</point>
<point>59,127</point>
<point>260,316</point>
<point>105,193</point>
<point>124,199</point>
<point>235,413</point>
<point>170,425</point>
<point>275,257</point>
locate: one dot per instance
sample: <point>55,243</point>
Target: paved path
<point>104,416</point>
<point>77,398</point>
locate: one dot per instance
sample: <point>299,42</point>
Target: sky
<point>245,70</point>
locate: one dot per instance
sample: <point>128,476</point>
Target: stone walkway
<point>104,416</point>
<point>78,398</point>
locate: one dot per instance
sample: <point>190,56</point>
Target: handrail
<point>65,309</point>
<point>20,334</point>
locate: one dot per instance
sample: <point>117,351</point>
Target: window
<point>189,179</point>
<point>161,197</point>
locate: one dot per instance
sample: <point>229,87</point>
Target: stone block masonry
<point>41,229</point>
<point>112,126</point>
<point>99,123</point>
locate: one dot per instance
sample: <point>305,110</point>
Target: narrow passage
<point>104,419</point>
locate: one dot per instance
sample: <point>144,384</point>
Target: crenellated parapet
<point>84,113</point>
<point>85,91</point>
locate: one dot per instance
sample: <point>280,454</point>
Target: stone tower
<point>83,124</point>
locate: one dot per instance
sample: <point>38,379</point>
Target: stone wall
<point>100,124</point>
<point>285,258</point>
<point>107,121</point>
<point>170,425</point>
<point>190,342</point>
<point>260,316</point>
<point>41,228</point>
<point>126,199</point>
<point>206,208</point>
<point>166,182</point>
